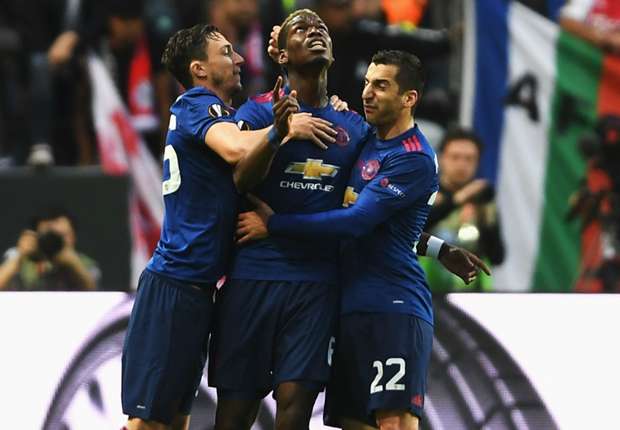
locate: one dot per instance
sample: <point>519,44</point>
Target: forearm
<point>8,270</point>
<point>253,167</point>
<point>422,248</point>
<point>336,224</point>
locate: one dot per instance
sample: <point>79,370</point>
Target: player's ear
<point>283,57</point>
<point>197,69</point>
<point>410,98</point>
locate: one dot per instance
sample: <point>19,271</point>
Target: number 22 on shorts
<point>393,383</point>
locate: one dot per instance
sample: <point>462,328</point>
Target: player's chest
<point>367,167</point>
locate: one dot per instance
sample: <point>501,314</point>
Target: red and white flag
<point>122,151</point>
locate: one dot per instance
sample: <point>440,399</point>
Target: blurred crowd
<point>46,114</point>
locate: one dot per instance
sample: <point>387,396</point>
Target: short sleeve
<point>198,118</point>
<point>253,116</point>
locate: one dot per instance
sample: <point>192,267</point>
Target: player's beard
<point>227,84</point>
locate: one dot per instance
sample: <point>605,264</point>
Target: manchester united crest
<point>370,169</point>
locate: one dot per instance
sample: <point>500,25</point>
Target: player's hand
<point>338,104</point>
<point>304,126</point>
<point>283,108</point>
<point>250,226</point>
<point>272,48</point>
<point>462,263</point>
<point>253,225</point>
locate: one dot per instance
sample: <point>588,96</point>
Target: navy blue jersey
<point>200,197</point>
<point>386,205</point>
<point>303,179</point>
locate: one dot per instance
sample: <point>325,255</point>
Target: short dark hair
<point>50,213</point>
<point>285,27</point>
<point>185,46</point>
<point>460,133</point>
<point>410,74</point>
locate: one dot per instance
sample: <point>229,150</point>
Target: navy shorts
<point>165,347</point>
<point>381,363</point>
<point>269,332</point>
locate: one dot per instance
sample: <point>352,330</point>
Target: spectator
<point>9,49</point>
<point>596,21</point>
<point>49,32</point>
<point>464,212</point>
<point>45,258</point>
<point>247,24</point>
<point>129,36</point>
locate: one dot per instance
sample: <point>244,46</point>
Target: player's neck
<point>401,125</point>
<point>311,87</point>
<point>223,95</point>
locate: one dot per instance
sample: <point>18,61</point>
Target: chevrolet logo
<point>313,169</point>
<point>350,197</point>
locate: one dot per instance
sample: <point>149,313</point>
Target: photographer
<point>464,212</point>
<point>45,258</point>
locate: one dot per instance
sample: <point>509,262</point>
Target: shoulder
<point>353,117</point>
<point>411,156</point>
<point>265,98</point>
<point>202,99</point>
<point>256,112</point>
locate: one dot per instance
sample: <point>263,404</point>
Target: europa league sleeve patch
<point>244,126</point>
<point>218,111</point>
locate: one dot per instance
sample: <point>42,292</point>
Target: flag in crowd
<point>532,91</point>
<point>123,152</point>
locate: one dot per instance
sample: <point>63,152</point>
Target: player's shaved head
<point>290,20</point>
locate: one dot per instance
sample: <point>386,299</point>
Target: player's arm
<point>408,178</point>
<point>251,152</point>
<point>459,261</point>
<point>287,125</point>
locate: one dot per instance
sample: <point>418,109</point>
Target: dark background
<point>98,202</point>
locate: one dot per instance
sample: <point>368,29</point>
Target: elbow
<point>234,155</point>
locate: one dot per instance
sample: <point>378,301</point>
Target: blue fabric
<point>374,352</point>
<point>199,219</point>
<point>165,348</point>
<point>386,207</point>
<point>269,332</point>
<point>491,80</point>
<point>303,179</point>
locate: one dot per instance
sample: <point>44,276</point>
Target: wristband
<point>433,246</point>
<point>273,139</point>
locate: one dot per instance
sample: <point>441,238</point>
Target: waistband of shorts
<point>205,287</point>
